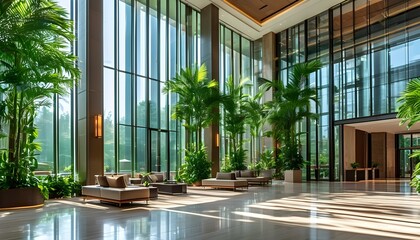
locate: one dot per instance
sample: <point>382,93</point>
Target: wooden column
<point>269,72</point>
<point>90,149</point>
<point>210,57</point>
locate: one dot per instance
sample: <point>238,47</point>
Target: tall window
<point>145,44</point>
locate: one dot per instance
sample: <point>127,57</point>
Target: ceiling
<point>298,11</point>
<point>390,126</point>
<point>262,10</point>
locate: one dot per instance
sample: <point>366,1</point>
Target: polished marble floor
<point>364,210</point>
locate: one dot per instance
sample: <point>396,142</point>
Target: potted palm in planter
<point>267,163</point>
<point>289,106</point>
<point>234,119</point>
<point>34,66</point>
<point>198,97</point>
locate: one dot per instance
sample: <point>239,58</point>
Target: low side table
<point>171,188</point>
<point>153,191</point>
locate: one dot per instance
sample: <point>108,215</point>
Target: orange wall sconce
<point>98,126</point>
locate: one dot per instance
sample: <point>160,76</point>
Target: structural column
<point>210,57</point>
<point>269,72</point>
<point>90,147</point>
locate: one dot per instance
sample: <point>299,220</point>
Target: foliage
<point>354,165</point>
<point>197,98</point>
<point>409,110</point>
<point>267,161</point>
<point>237,158</point>
<point>226,167</point>
<point>34,66</point>
<point>289,106</point>
<point>197,166</point>
<point>59,187</point>
<point>235,115</point>
<point>375,164</point>
<point>415,181</point>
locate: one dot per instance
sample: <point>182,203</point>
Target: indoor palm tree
<point>35,64</point>
<point>289,106</point>
<point>235,115</point>
<point>409,112</point>
<point>198,98</point>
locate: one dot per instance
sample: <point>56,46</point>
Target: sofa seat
<point>255,180</point>
<point>116,195</point>
<point>224,183</point>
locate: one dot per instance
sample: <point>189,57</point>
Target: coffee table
<point>171,188</point>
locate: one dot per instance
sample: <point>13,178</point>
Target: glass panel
<point>163,45</point>
<point>125,154</point>
<point>347,24</point>
<point>163,108</point>
<point>154,151</point>
<point>405,169</point>
<point>173,155</point>
<point>125,36</point>
<point>125,98</point>
<point>154,104</point>
<point>405,141</point>
<point>141,102</point>
<point>153,43</point>
<point>141,150</point>
<point>65,163</point>
<point>141,42</point>
<point>109,33</point>
<point>163,153</point>
<point>44,122</point>
<point>416,140</point>
<point>109,122</point>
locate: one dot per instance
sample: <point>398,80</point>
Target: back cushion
<point>225,176</point>
<point>247,173</point>
<point>153,178</point>
<point>103,182</point>
<point>117,182</point>
<point>159,177</point>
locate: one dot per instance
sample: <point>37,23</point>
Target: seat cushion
<point>224,183</point>
<point>116,182</point>
<point>124,194</point>
<point>91,190</point>
<point>225,176</point>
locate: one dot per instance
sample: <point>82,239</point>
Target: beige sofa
<point>225,181</point>
<point>251,178</point>
<point>115,190</point>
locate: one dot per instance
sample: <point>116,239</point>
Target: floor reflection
<point>365,210</point>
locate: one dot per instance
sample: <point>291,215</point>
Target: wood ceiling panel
<point>262,10</point>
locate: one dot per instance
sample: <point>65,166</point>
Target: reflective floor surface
<point>318,210</point>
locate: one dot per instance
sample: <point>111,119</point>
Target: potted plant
<point>290,105</point>
<point>196,167</point>
<point>354,165</point>
<point>267,163</point>
<point>34,65</point>
<point>198,98</point>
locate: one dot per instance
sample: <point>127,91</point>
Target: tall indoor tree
<point>235,115</point>
<point>198,99</point>
<point>35,64</point>
<point>289,106</point>
<point>409,113</point>
<point>198,96</point>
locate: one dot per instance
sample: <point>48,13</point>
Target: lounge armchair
<point>225,180</point>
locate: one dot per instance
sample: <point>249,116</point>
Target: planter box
<point>21,197</point>
<point>293,176</point>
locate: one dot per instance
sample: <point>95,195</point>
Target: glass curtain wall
<point>370,50</point>
<point>236,62</point>
<point>55,123</point>
<point>145,44</point>
<point>407,144</point>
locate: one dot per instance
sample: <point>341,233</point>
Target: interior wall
<point>379,152</point>
<point>390,155</point>
<point>349,147</point>
<point>361,148</point>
